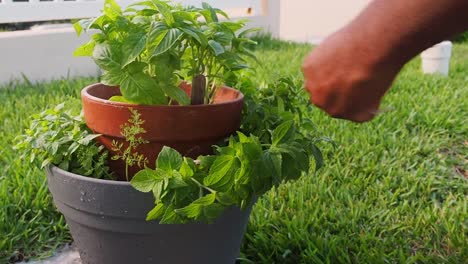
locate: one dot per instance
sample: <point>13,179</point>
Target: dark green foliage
<point>59,137</point>
<point>150,47</point>
<point>274,147</point>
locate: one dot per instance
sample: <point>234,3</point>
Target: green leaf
<point>209,13</point>
<point>145,180</point>
<point>158,190</point>
<point>177,182</point>
<point>185,169</point>
<point>212,212</point>
<point>112,9</point>
<point>317,156</point>
<point>206,161</point>
<point>119,98</point>
<point>168,40</point>
<point>165,11</point>
<point>216,47</point>
<point>171,217</point>
<point>107,57</point>
<point>283,133</point>
<point>195,209</point>
<point>86,140</point>
<point>273,163</point>
<point>222,172</point>
<point>142,89</point>
<point>176,93</point>
<point>225,198</point>
<point>85,49</point>
<point>132,47</point>
<point>195,34</point>
<point>156,213</point>
<point>169,159</point>
<point>78,28</point>
<point>112,77</point>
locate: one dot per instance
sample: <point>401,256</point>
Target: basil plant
<point>150,47</point>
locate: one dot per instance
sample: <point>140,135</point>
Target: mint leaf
<point>185,169</point>
<point>272,163</point>
<point>222,173</point>
<point>283,133</point>
<point>176,181</point>
<point>145,180</point>
<point>169,159</point>
<point>171,217</point>
<point>156,212</point>
<point>195,209</point>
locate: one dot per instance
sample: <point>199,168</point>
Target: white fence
<point>13,11</point>
<point>44,54</point>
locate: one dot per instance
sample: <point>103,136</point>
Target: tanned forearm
<point>404,28</point>
<point>348,74</point>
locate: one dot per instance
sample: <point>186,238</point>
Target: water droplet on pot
<point>81,199</point>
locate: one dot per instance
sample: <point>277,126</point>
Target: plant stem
<point>202,186</point>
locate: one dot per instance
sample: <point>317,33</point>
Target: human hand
<point>347,77</point>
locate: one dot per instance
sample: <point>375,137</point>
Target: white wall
<point>42,55</point>
<point>312,20</point>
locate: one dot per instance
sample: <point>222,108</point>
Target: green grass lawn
<point>394,191</point>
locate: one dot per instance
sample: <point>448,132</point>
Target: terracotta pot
<point>192,130</point>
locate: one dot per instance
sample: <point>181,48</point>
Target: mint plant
<point>152,46</point>
<point>60,137</point>
<point>278,148</point>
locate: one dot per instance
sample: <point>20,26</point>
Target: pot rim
<point>89,179</point>
<point>85,93</point>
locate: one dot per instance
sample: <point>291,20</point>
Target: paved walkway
<point>67,255</point>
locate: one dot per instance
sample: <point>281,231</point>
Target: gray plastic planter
<point>107,222</point>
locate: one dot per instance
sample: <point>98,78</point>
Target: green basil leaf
<point>112,9</point>
<point>133,47</point>
<point>165,12</point>
<point>216,47</point>
<point>119,98</point>
<point>168,40</point>
<point>107,57</point>
<point>176,93</point>
<point>142,89</point>
<point>195,34</point>
<point>169,159</point>
<point>85,49</point>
